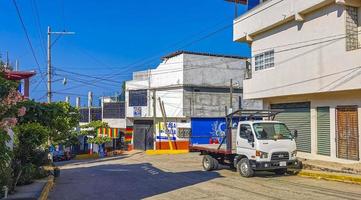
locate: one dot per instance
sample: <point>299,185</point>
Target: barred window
<point>183,132</point>
<point>264,60</point>
<point>352,33</point>
<point>114,110</point>
<point>138,98</point>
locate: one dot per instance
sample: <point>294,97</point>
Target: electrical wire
<point>28,39</point>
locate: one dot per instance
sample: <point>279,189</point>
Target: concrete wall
<point>213,71</point>
<point>207,104</point>
<point>115,123</point>
<point>310,57</point>
<point>332,100</point>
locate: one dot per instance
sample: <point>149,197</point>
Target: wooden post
<point>161,104</point>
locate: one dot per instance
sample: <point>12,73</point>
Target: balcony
<point>274,13</point>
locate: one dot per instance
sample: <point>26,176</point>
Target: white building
<point>306,59</point>
<point>190,85</point>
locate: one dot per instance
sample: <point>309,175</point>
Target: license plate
<point>283,164</point>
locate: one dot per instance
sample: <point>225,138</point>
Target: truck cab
<point>264,145</point>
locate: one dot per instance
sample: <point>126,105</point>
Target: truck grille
<point>280,156</point>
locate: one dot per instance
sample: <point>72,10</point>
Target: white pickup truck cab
<point>253,145</point>
<point>264,145</point>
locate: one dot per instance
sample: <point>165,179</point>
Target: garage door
<point>297,117</point>
<point>323,131</point>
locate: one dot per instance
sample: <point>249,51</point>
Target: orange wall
<point>179,145</point>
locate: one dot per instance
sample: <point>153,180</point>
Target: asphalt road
<point>138,176</point>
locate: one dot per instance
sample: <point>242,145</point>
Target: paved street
<point>138,176</point>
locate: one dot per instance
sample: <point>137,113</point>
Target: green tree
<point>100,140</point>
<point>92,127</point>
<point>9,110</point>
<point>59,117</point>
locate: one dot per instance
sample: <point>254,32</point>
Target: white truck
<point>254,142</point>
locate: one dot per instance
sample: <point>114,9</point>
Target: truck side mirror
<point>295,134</point>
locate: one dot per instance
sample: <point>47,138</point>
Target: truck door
<point>244,146</point>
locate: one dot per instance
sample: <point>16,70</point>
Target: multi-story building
<point>190,85</point>
<point>306,59</point>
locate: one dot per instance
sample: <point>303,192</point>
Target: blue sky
<point>111,37</point>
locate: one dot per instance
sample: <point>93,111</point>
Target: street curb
<point>346,178</point>
<point>46,189</point>
<point>163,152</point>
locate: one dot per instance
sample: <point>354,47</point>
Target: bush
<point>5,178</point>
<point>28,173</point>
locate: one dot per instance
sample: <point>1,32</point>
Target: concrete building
<point>190,85</point>
<point>306,60</point>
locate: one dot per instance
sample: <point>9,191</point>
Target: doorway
<point>347,135</point>
<point>143,135</point>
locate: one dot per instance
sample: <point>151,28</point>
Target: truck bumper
<point>271,165</point>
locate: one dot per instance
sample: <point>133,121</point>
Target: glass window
<point>264,60</point>
<point>138,98</point>
<point>245,130</point>
<point>271,131</point>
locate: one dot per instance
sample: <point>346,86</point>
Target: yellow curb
<point>86,156</point>
<point>354,179</point>
<point>46,189</point>
<point>163,152</point>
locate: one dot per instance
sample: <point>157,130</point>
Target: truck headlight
<point>261,154</point>
<point>294,153</point>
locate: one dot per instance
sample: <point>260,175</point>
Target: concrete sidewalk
<point>324,166</point>
<point>38,190</point>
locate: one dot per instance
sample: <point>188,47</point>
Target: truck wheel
<point>280,171</point>
<point>244,168</point>
<point>208,163</point>
<point>215,164</point>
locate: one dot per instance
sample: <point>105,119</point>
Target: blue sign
<point>137,111</point>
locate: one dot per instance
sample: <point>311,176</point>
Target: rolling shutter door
<point>297,117</point>
<point>323,131</point>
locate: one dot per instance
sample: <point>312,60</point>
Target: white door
<point>244,146</point>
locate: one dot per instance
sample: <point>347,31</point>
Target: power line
<point>28,39</point>
<point>39,27</point>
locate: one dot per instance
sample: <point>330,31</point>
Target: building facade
<point>189,85</point>
<point>306,60</point>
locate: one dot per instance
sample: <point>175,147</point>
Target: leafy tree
<point>92,127</point>
<point>9,110</point>
<point>29,137</point>
<point>100,140</point>
<point>60,117</point>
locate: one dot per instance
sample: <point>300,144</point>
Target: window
<point>352,26</point>
<point>184,133</point>
<point>114,110</point>
<point>138,98</point>
<point>271,131</point>
<point>245,130</point>
<point>264,60</point>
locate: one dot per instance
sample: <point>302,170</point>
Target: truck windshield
<point>271,131</point>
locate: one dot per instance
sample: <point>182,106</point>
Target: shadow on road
<point>123,181</point>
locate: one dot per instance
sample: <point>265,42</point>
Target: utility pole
<point>231,96</point>
<point>154,118</point>
<point>49,71</point>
